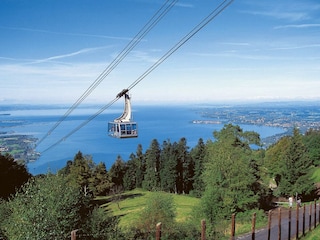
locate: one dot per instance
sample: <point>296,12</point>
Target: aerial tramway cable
<point>162,11</point>
<point>187,37</point>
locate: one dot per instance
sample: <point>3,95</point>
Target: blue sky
<point>51,51</point>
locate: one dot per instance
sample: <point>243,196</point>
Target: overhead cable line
<point>162,11</point>
<point>187,37</point>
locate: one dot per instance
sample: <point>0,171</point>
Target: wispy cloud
<point>284,10</point>
<point>291,16</point>
<point>186,5</point>
<point>64,33</point>
<point>314,25</point>
<point>235,43</point>
<point>298,47</point>
<point>72,54</point>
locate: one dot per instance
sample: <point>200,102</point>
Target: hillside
<point>129,204</point>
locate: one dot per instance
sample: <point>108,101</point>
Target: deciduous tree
<point>228,177</point>
<point>12,175</point>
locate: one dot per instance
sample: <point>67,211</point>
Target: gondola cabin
<point>123,126</point>
<point>123,129</point>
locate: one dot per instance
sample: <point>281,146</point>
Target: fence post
<point>158,231</point>
<point>304,220</point>
<point>279,224</point>
<point>269,224</point>
<point>297,221</point>
<point>203,229</point>
<point>289,222</point>
<point>233,226</point>
<point>253,226</point>
<point>315,213</point>
<point>310,212</point>
<point>74,234</point>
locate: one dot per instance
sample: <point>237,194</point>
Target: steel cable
<point>187,37</point>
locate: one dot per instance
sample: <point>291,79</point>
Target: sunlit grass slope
<point>128,205</point>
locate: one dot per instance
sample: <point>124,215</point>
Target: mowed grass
<point>316,174</point>
<point>128,205</point>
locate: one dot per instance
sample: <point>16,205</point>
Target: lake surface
<point>156,122</point>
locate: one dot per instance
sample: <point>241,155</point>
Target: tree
<point>312,142</point>
<point>141,166</point>
<point>117,172</point>
<point>151,178</point>
<point>80,171</point>
<point>130,176</point>
<point>274,158</point>
<point>185,167</point>
<point>159,207</point>
<point>12,175</point>
<point>168,172</point>
<point>296,168</point>
<point>50,207</point>
<point>100,181</point>
<point>227,175</point>
<point>198,155</point>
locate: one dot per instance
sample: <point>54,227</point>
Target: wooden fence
<point>281,224</point>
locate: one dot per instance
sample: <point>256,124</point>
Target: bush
<point>50,208</point>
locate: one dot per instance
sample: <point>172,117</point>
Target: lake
<point>154,122</point>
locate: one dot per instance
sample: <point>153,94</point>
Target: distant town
<point>21,147</point>
<point>283,115</point>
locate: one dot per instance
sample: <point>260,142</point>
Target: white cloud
<point>311,25</point>
<point>64,33</point>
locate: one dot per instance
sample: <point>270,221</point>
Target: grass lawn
<point>313,235</point>
<point>129,205</point>
<point>316,175</point>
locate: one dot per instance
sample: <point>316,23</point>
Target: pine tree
<point>129,178</point>
<point>198,155</point>
<point>152,178</point>
<point>295,171</point>
<point>100,181</point>
<point>312,143</point>
<point>141,166</point>
<point>187,165</point>
<point>168,172</point>
<point>117,172</point>
<point>80,171</point>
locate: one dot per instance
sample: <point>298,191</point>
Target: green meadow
<point>128,205</point>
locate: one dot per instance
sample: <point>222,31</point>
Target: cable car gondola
<point>123,127</point>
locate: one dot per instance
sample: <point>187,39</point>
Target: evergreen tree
<point>296,168</point>
<point>168,172</point>
<point>117,172</point>
<point>141,166</point>
<point>274,158</point>
<point>152,178</point>
<point>186,166</point>
<point>129,178</point>
<point>80,171</point>
<point>312,143</point>
<point>100,181</point>
<point>198,155</point>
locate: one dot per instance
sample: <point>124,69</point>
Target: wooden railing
<point>282,224</point>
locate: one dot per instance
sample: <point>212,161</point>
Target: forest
<point>232,174</point>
